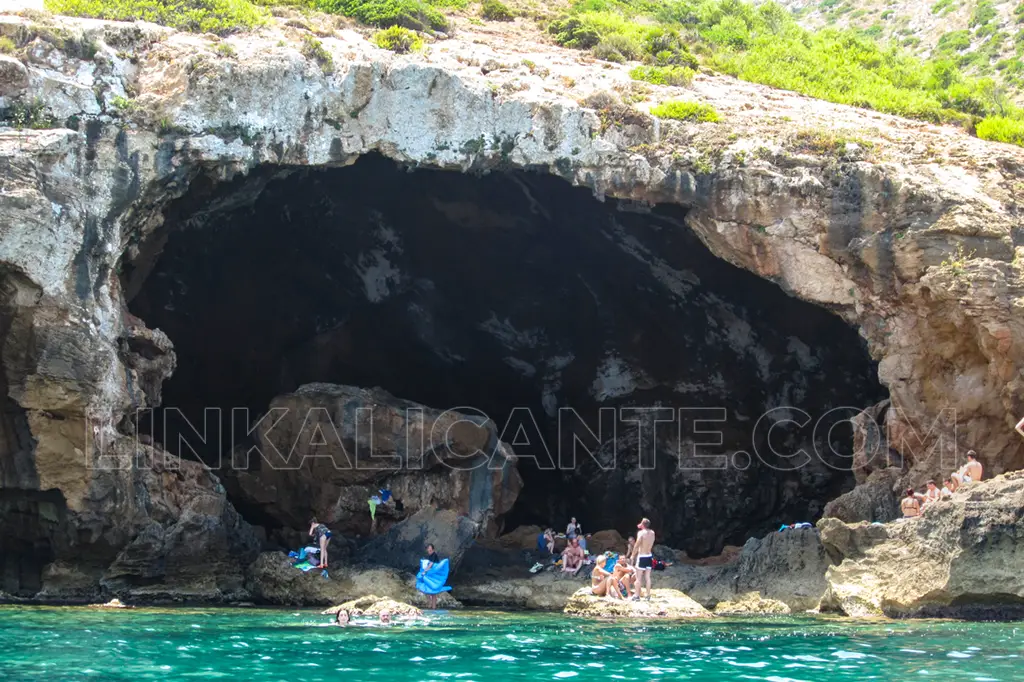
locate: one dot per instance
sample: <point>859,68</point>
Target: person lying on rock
<point>910,506</point>
<point>321,535</point>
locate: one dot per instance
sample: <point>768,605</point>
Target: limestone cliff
<point>907,232</point>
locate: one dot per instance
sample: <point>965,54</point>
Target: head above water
<point>341,617</point>
<point>385,616</point>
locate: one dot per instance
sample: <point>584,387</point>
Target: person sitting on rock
<point>630,544</point>
<point>948,488</point>
<point>549,538</point>
<point>970,471</point>
<point>572,557</point>
<point>573,529</point>
<point>621,581</point>
<point>932,493</point>
<point>910,506</point>
<point>321,535</point>
<point>599,580</point>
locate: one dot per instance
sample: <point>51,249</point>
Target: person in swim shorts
<point>644,553</point>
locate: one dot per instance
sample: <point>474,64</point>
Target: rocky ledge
<point>372,605</point>
<point>664,603</point>
<point>961,558</point>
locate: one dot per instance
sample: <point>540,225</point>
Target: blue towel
<point>610,564</point>
<point>432,580</point>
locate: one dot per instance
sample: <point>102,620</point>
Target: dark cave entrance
<point>510,290</point>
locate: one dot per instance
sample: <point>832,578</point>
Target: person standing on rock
<point>321,535</point>
<point>644,553</point>
<point>432,560</point>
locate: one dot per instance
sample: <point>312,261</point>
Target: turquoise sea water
<point>261,644</point>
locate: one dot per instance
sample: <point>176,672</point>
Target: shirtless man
<point>973,467</point>
<point>620,580</point>
<point>932,494</point>
<point>910,506</point>
<point>644,557</point>
<point>572,557</point>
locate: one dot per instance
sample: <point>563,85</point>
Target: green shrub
<point>953,41</point>
<point>124,105</point>
<point>397,39</point>
<point>574,32</point>
<point>314,49</point>
<point>415,15</point>
<point>496,10</point>
<point>225,50</point>
<point>618,47</point>
<point>28,115</point>
<point>1001,129</point>
<point>687,111</point>
<point>7,45</point>
<point>984,12</point>
<point>662,75</point>
<point>199,16</point>
<point>944,6</point>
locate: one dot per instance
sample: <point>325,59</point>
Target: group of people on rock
<point>625,577</point>
<point>914,502</point>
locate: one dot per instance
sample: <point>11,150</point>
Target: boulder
<point>548,590</point>
<point>523,537</point>
<point>664,603</point>
<point>606,541</point>
<point>873,500</point>
<point>13,76</point>
<point>343,443</point>
<point>372,605</point>
<point>273,580</point>
<point>751,603</point>
<point>961,558</point>
<point>403,545</point>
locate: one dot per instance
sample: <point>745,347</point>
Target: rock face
<point>326,449</point>
<point>915,244</point>
<point>664,603</point>
<point>751,603</point>
<point>876,499</point>
<point>960,558</point>
<point>272,579</point>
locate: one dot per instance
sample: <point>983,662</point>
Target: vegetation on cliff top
<point>201,16</point>
<point>758,43</point>
<point>764,44</point>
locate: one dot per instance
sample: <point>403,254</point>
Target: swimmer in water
<point>341,618</point>
<point>385,618</point>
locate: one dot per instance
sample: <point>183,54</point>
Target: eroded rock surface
<point>664,603</point>
<point>272,579</point>
<point>960,558</point>
<point>913,240</point>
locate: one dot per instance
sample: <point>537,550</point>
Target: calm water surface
<point>261,644</point>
